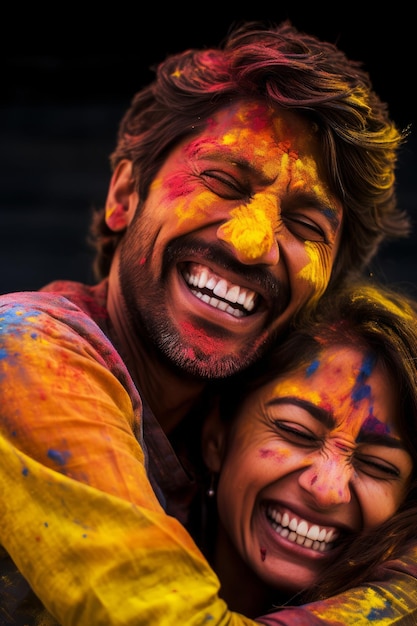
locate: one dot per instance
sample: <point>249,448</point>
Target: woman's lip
<point>294,528</point>
<point>299,531</point>
<point>274,544</point>
<point>335,520</point>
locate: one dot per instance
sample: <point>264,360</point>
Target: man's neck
<point>170,394</point>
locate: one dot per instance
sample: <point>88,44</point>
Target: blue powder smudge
<point>59,457</point>
<point>312,367</point>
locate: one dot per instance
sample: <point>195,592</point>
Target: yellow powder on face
<point>155,184</point>
<point>317,271</point>
<point>250,229</point>
<point>196,209</point>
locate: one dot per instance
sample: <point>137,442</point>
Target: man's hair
<point>359,143</point>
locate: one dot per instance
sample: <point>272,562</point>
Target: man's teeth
<point>201,282</point>
<point>301,532</point>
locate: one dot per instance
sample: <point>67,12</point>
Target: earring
<point>211,492</point>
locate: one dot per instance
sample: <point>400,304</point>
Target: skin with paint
<point>309,460</point>
<point>248,180</point>
<point>239,230</point>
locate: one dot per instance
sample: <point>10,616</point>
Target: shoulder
<point>49,317</point>
<point>71,303</point>
<point>56,329</point>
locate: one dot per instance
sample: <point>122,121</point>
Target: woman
<point>317,462</point>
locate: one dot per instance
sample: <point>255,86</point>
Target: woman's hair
<point>380,322</point>
<point>288,69</point>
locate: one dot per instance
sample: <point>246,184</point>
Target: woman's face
<point>309,459</point>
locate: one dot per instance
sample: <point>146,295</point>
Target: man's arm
<point>95,559</point>
<point>391,601</point>
<point>78,515</point>
<point>80,519</point>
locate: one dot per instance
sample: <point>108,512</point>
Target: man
<point>246,181</point>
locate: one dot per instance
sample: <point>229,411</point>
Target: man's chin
<point>213,367</point>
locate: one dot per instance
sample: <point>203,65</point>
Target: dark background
<point>65,82</point>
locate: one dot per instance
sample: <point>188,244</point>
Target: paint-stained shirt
<point>85,535</point>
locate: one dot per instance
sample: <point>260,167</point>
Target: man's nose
<point>251,232</point>
<point>327,480</point>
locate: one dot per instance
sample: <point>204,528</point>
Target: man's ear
<point>122,199</point>
<point>213,441</point>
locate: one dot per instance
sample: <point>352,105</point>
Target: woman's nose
<point>328,481</point>
<point>251,232</point>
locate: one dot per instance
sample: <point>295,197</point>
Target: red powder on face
<point>190,354</point>
<point>258,123</point>
<point>266,453</point>
<point>373,425</point>
<point>192,150</point>
<point>178,185</point>
<point>341,446</point>
<point>209,345</point>
<point>142,261</point>
<point>279,457</point>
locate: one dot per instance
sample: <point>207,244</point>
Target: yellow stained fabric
<point>78,515</point>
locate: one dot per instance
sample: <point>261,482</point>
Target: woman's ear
<point>213,440</point>
<point>122,199</point>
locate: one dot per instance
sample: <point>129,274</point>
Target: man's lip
<point>214,321</point>
<point>273,291</point>
<point>219,291</point>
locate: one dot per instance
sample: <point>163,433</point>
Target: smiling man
<point>247,179</point>
<point>238,212</point>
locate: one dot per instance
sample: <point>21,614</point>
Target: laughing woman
<point>315,466</point>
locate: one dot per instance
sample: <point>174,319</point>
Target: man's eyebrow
<point>321,415</point>
<point>226,155</point>
<point>323,204</point>
<point>247,167</point>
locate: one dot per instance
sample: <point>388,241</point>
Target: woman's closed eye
<point>375,467</point>
<point>297,434</point>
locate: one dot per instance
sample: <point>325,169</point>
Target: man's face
<point>239,230</point>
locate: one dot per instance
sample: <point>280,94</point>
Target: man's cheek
<point>317,269</point>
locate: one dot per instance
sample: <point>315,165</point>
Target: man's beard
<point>145,294</point>
<point>163,341</point>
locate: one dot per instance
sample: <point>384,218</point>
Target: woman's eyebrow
<point>317,412</point>
<point>379,439</point>
<point>378,436</point>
